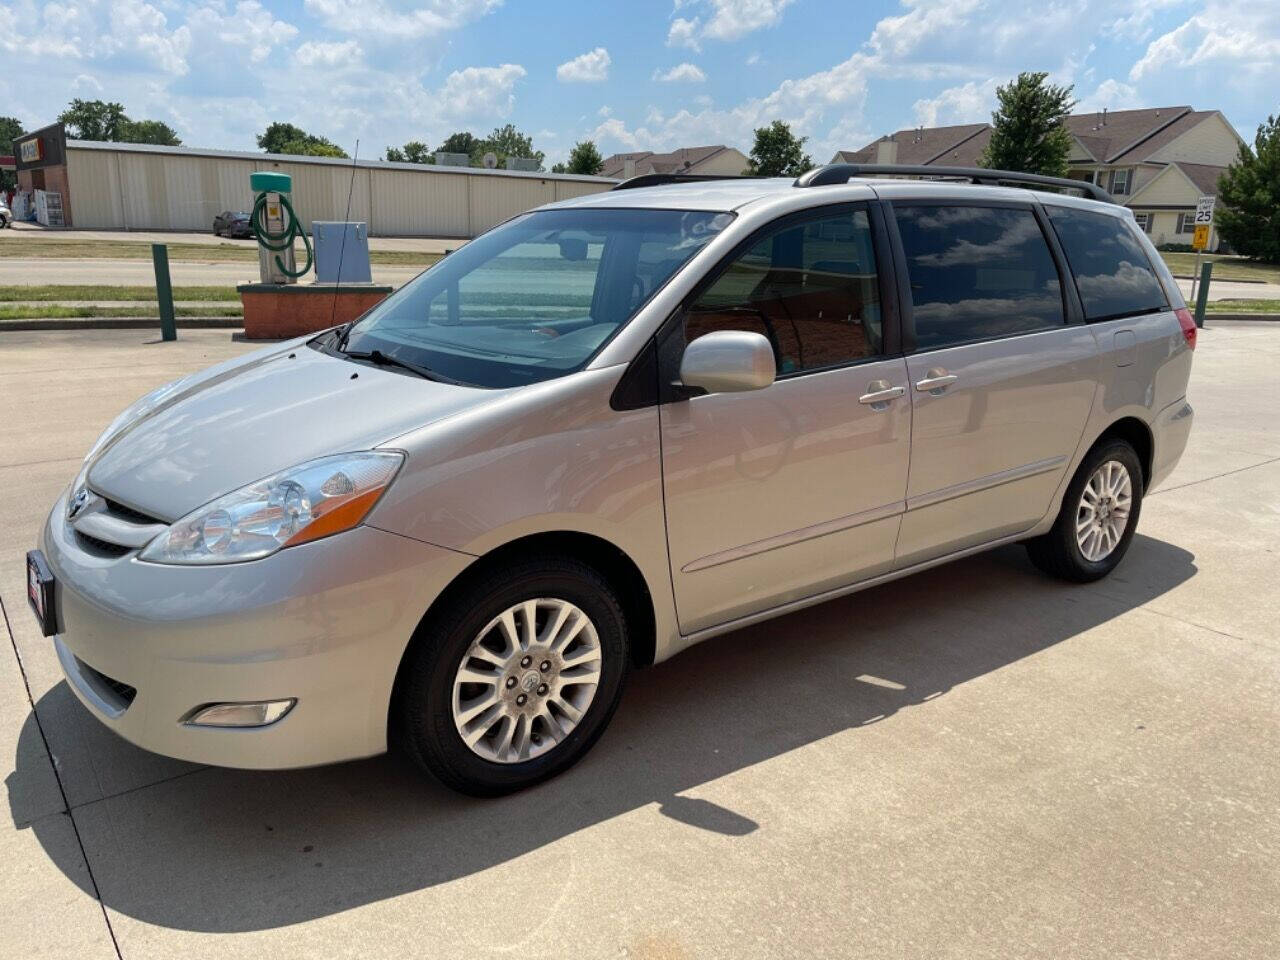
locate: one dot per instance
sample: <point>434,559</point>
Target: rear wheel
<point>1098,517</point>
<point>517,679</point>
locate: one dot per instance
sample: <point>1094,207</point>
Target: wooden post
<point>164,292</point>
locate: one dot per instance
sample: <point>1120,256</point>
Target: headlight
<point>303,503</point>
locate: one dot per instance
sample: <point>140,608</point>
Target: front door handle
<point>936,381</point>
<point>879,393</point>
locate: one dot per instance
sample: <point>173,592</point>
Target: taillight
<point>1188,324</point>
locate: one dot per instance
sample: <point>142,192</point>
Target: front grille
<point>101,547</point>
<point>114,691</point>
<point>116,508</point>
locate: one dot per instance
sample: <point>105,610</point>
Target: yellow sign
<point>1200,239</point>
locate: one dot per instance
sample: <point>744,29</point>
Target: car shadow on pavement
<point>225,850</point>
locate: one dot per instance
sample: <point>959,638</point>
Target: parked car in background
<point>232,223</point>
<point>603,431</point>
<point>6,215</point>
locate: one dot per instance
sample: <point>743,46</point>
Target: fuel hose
<point>278,242</point>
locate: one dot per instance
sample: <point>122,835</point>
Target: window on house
<point>1186,223</point>
<point>1119,182</point>
<point>1144,221</point>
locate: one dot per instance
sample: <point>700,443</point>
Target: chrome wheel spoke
<point>515,703</point>
<point>1103,512</point>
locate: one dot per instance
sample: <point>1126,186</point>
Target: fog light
<point>239,714</point>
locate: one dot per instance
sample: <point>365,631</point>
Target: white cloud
<point>970,102</point>
<point>249,27</point>
<point>734,19</point>
<point>483,91</point>
<point>590,67</point>
<point>317,53</point>
<point>681,73</point>
<point>684,33</point>
<point>135,26</point>
<point>386,19</point>
<point>1111,94</point>
<point>1233,36</point>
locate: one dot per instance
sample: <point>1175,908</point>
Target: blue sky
<point>630,76</point>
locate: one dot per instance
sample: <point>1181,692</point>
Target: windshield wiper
<point>378,358</point>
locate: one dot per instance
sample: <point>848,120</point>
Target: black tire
<point>1058,553</point>
<point>423,714</point>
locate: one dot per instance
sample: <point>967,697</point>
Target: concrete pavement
<point>974,762</point>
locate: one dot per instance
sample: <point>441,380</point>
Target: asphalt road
<point>19,271</point>
<point>974,762</point>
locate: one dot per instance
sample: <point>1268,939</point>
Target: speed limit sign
<point>1204,211</point>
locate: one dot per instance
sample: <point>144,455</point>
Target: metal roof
<point>115,147</point>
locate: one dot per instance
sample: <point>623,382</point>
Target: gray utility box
<point>342,251</point>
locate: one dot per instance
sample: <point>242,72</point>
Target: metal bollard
<point>1202,297</point>
<point>164,291</point>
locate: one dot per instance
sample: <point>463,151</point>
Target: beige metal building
<point>126,186</point>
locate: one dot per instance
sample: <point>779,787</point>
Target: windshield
<point>536,297</point>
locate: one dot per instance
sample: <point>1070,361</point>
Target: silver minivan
<point>599,433</point>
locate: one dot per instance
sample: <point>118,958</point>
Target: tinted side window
<point>977,273</point>
<point>809,288</point>
<point>1111,269</point>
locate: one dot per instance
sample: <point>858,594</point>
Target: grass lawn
<point>1242,306</point>
<point>58,292</point>
<point>1224,268</point>
<point>58,310</point>
<point>246,252</point>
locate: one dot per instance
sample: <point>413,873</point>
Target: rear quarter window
<point>1111,269</point>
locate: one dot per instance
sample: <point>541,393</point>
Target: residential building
<point>1158,161</point>
<point>717,159</point>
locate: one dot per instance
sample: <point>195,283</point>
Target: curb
<point>1187,276</point>
<point>120,323</point>
<point>1243,317</point>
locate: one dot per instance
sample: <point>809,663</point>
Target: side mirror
<point>728,361</point>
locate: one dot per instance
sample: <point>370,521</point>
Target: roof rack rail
<point>659,179</point>
<point>842,172</point>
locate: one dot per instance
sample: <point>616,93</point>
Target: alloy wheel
<point>1103,512</point>
<point>527,680</point>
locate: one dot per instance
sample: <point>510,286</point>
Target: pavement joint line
<point>140,787</point>
<point>37,463</point>
<point>1216,476</point>
<point>57,776</point>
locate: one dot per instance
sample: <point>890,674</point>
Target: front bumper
<point>324,622</point>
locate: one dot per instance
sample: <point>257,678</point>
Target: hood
<point>262,414</point>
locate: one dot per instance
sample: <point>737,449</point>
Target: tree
<point>778,152</point>
<point>415,151</point>
<point>1030,132</point>
<point>93,119</point>
<point>149,131</point>
<point>583,158</point>
<point>289,138</point>
<point>10,130</point>
<point>312,146</point>
<point>1249,196</point>
<point>278,134</point>
<point>509,142</point>
<point>461,142</point>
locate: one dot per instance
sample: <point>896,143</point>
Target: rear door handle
<point>936,381</point>
<point>879,393</point>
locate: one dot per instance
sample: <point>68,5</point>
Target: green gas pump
<point>276,226</point>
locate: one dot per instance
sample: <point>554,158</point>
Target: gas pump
<point>276,226</point>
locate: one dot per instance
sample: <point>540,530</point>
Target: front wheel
<point>1099,514</point>
<point>517,679</point>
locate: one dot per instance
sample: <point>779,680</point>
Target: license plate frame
<point>40,588</point>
